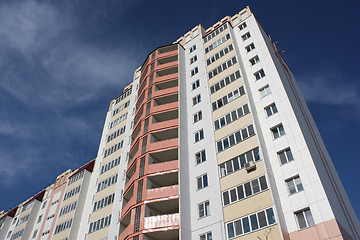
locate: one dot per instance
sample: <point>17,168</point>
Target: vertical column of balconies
<point>150,206</point>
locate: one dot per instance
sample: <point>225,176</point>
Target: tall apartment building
<point>211,140</point>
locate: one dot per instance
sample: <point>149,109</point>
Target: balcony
<point>161,235</point>
<point>170,221</point>
<point>161,192</point>
<point>165,85</point>
<point>161,167</point>
<point>167,62</point>
<point>126,226</point>
<point>167,51</point>
<point>128,200</point>
<point>130,176</point>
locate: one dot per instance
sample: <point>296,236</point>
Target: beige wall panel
<point>248,205</point>
<point>241,176</point>
<point>223,74</point>
<point>238,149</point>
<point>63,234</point>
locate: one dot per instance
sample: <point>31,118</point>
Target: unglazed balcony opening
<point>164,135</point>
<point>165,116</point>
<point>128,196</point>
<point>130,173</point>
<point>161,235</point>
<point>167,49</point>
<point>166,85</point>
<point>166,100</point>
<point>133,151</point>
<point>163,180</point>
<point>125,222</point>
<point>163,156</point>
<point>167,71</point>
<point>167,60</point>
<point>166,207</point>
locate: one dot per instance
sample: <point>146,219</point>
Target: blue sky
<point>61,62</point>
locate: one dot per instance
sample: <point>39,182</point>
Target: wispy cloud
<point>330,90</point>
<point>49,74</point>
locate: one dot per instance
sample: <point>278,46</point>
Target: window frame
<point>199,135</point>
<point>273,108</point>
<point>309,219</point>
<point>204,180</point>
<point>295,184</point>
<point>279,129</point>
<point>205,210</point>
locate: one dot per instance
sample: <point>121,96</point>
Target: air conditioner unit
<point>250,166</point>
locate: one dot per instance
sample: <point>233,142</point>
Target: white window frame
<point>205,209</point>
<point>196,99</point>
<point>250,47</point>
<point>296,184</point>
<point>254,60</point>
<point>286,153</point>
<point>307,215</point>
<point>273,109</point>
<point>202,182</point>
<point>197,116</point>
<point>195,84</point>
<point>264,91</point>
<point>200,157</point>
<point>279,129</point>
<point>199,135</point>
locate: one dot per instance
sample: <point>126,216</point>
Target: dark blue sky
<point>61,62</point>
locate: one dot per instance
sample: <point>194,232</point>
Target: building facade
<point>211,140</point>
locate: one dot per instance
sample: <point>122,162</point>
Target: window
<point>107,182</point>
<point>193,59</point>
<point>235,138</point>
<point>110,165</point>
<point>219,54</point>
<point>39,219</point>
<point>222,67</point>
<point>200,157</point>
<point>215,32</point>
<point>278,131</point>
<point>104,202</point>
<point>285,156</point>
<point>250,223</point>
<point>259,74</point>
<point>204,209</point>
<point>224,82</point>
<point>194,71</point>
<point>242,26</point>
<point>228,98</point>
<point>196,99</point>
<point>245,190</point>
<point>254,60</point>
<point>99,224</point>
<point>202,182</point>
<point>294,185</point>
<point>232,116</point>
<point>43,205</point>
<point>217,43</point>
<point>195,84</point>
<point>61,227</point>
<point>197,116</point>
<point>304,218</point>
<point>193,48</point>
<point>264,91</point>
<point>250,47</point>
<point>270,110</point>
<point>206,236</point>
<point>246,36</point>
<point>34,234</point>
<point>239,162</point>
<point>199,135</point>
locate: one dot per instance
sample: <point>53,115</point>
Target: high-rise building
<point>211,140</point>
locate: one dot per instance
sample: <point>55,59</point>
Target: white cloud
<point>330,91</point>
